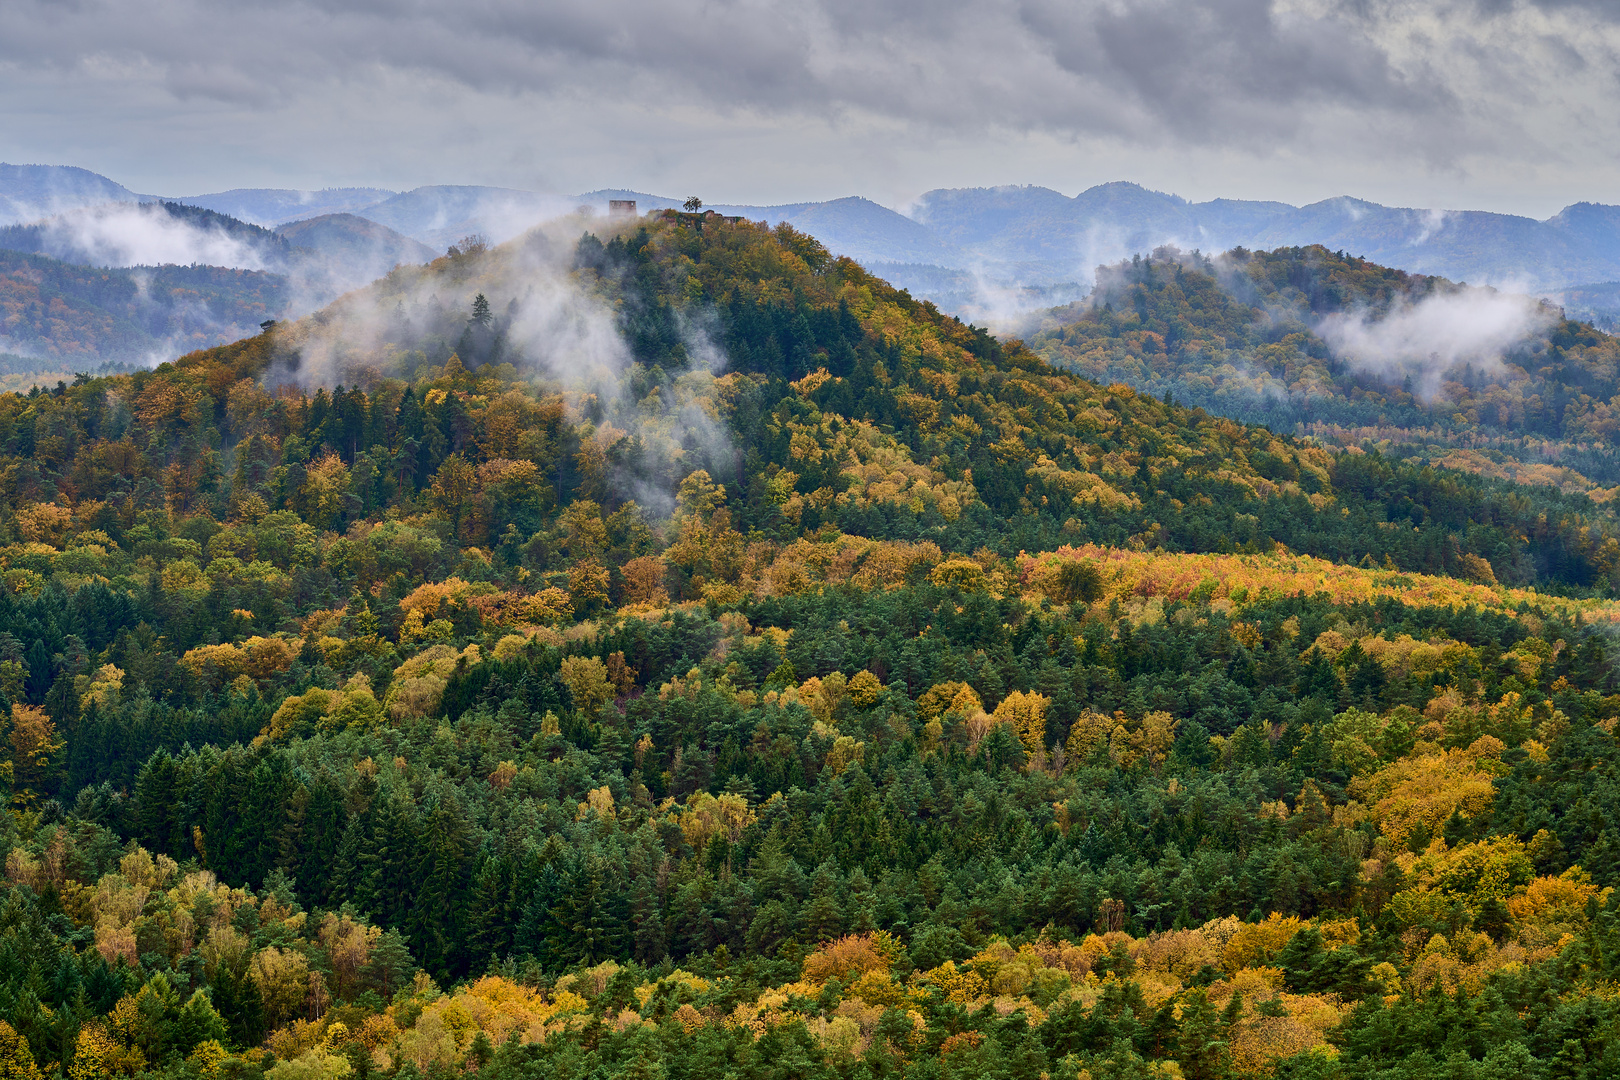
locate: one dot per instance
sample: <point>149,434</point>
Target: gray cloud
<point>1462,86</point>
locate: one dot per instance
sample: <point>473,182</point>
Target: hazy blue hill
<point>72,290</point>
<point>273,206</point>
<point>356,239</point>
<point>441,215</point>
<point>1475,246</point>
<point>974,297</point>
<point>1022,236</point>
<point>1130,204</point>
<point>29,192</point>
<point>971,216</point>
<point>853,226</point>
<point>1595,302</point>
<point>339,252</point>
<point>1594,224</point>
<point>859,228</point>
<point>121,234</point>
<point>1221,223</point>
<point>1051,236</point>
<point>644,202</point>
<point>1468,245</point>
<point>1055,235</point>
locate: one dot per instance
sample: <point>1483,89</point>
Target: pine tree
<point>823,915</point>
<point>1202,1047</point>
<point>390,965</point>
<point>647,922</point>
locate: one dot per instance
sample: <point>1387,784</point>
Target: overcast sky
<point>1490,104</point>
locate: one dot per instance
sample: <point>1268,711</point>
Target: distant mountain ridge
<point>29,192</point>
<point>271,207</point>
<point>1008,241</point>
<point>60,314</point>
<point>1051,234</point>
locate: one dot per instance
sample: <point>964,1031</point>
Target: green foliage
<point>331,711</point>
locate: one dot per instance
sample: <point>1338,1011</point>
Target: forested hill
<point>671,651</point>
<point>82,317</point>
<point>1306,340</point>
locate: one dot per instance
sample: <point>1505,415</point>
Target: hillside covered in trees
<point>1335,347</point>
<point>79,317</point>
<point>670,651</point>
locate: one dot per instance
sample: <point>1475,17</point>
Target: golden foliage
<point>962,987</point>
<point>259,658</point>
<point>1422,791</point>
<point>1456,884</point>
<point>281,976</point>
<point>418,684</point>
<point>1127,574</point>
<point>1128,742</point>
<point>33,743</point>
<point>587,680</point>
<point>44,523</point>
<point>1556,905</point>
<point>353,708</point>
<point>1253,944</point>
<point>16,1060</point>
<point>864,689</point>
<point>964,574</point>
<point>957,697</point>
<point>443,1033</point>
<point>822,696</point>
<point>644,581</point>
<point>1026,713</point>
<point>850,957</point>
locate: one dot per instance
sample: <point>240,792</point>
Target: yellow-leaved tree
<point>587,680</point>
<point>33,742</point>
<point>1026,712</point>
<point>16,1059</point>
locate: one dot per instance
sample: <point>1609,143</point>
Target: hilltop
<point>1312,341</point>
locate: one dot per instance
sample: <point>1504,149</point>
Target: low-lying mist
<point>155,245</point>
<point>145,234</point>
<point>1426,339</point>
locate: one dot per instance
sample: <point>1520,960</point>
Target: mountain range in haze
<point>1040,233</point>
<point>990,254</point>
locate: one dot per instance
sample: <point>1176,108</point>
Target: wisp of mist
<point>558,331</point>
<point>1429,338</point>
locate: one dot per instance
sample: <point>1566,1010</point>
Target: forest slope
<point>79,316</point>
<point>676,652</point>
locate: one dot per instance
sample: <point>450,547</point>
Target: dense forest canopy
<point>672,651</point>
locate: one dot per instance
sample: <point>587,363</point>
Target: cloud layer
<point>1500,92</point>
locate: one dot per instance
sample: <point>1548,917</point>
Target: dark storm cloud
<point>1201,69</point>
<point>1435,81</point>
